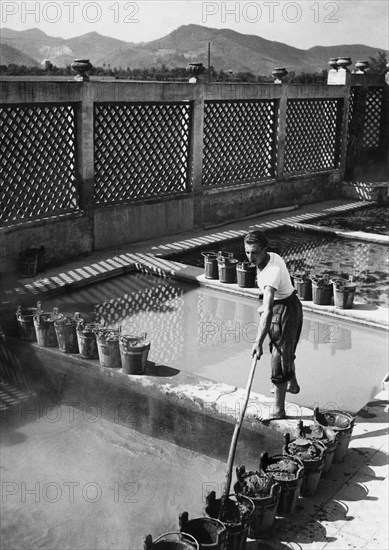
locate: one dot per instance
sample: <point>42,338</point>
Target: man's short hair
<point>256,237</point>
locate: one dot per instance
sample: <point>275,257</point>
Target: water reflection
<point>318,333</point>
<point>210,333</point>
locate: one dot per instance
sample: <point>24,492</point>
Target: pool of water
<point>72,479</point>
<point>373,219</point>
<point>209,333</point>
<point>308,252</point>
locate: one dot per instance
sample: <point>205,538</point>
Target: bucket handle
<point>185,537</point>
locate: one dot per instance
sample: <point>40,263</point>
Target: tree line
<point>180,74</point>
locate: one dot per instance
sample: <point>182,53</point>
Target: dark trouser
<point>284,333</point>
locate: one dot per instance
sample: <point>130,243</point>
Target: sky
<point>302,23</point>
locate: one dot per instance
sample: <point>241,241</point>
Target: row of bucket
<point>223,266</point>
<point>273,490</point>
<point>321,290</point>
<point>113,348</point>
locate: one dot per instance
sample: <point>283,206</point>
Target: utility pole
<point>209,62</point>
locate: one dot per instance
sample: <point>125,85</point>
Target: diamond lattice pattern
<point>141,150</point>
<point>371,130</point>
<point>312,138</point>
<point>38,162</point>
<point>238,141</point>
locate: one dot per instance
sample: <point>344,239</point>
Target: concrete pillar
<point>196,139</point>
<point>280,132</point>
<point>85,151</point>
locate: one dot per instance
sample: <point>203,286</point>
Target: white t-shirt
<point>276,275</point>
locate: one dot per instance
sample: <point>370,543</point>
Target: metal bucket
<point>171,541</point>
<point>264,512</point>
<point>344,295</point>
<point>264,491</point>
<point>25,320</point>
<point>312,455</point>
<point>210,265</point>
<point>86,339</point>
<point>236,519</point>
<point>322,294</point>
<point>134,351</point>
<point>327,436</point>
<point>304,288</point>
<point>210,533</point>
<point>246,273</point>
<point>108,347</point>
<point>227,269</point>
<point>288,471</point>
<point>46,336</point>
<point>66,331</point>
<point>342,423</point>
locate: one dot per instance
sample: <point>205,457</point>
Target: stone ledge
<point>198,402</point>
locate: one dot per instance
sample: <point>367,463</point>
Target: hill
<point>13,56</point>
<point>230,50</point>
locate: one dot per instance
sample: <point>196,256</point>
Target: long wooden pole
<point>234,441</point>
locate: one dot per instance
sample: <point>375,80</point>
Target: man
<point>281,317</point>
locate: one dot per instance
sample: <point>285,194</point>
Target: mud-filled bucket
<point>44,328</point>
<point>210,533</point>
<point>171,541</point>
<point>227,269</point>
<point>31,261</point>
<point>28,266</point>
<point>210,265</point>
<point>66,331</point>
<point>342,424</point>
<point>265,492</point>
<point>288,471</point>
<point>322,291</point>
<point>9,322</point>
<point>25,320</point>
<point>327,436</point>
<point>246,273</point>
<point>312,454</point>
<point>86,339</point>
<point>303,285</point>
<point>236,518</point>
<point>344,292</point>
<point>108,347</point>
<point>134,350</point>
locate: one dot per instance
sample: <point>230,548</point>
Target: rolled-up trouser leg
<point>284,335</point>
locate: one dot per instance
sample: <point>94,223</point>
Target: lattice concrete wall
<point>38,161</point>
<point>238,141</point>
<point>312,135</point>
<point>141,151</point>
<point>184,154</point>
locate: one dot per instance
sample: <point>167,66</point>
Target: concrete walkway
<point>152,256</point>
<point>350,506</point>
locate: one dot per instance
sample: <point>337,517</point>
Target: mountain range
<point>230,50</point>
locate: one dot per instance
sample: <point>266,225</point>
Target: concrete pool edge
<point>158,259</point>
<point>210,405</point>
<point>168,268</point>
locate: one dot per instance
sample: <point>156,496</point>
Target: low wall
<point>236,202</point>
<point>366,191</point>
<point>63,236</point>
<point>129,223</point>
